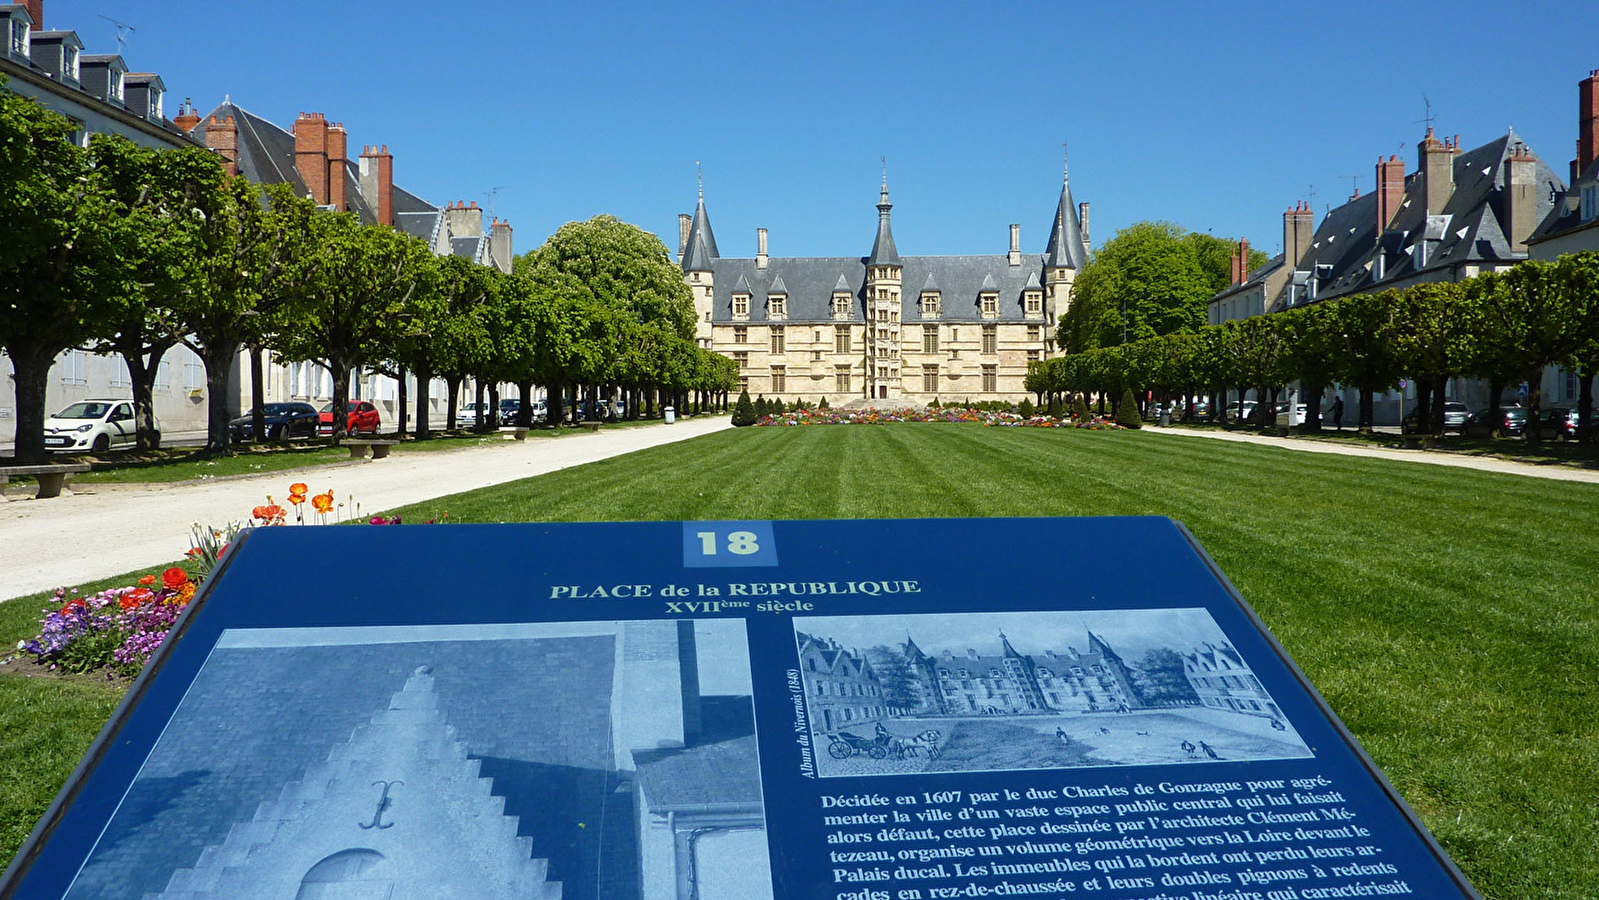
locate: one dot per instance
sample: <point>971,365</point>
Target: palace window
<point>777,339</point>
<point>929,379</point>
<point>841,378</point>
<point>696,277</point>
<point>990,379</point>
<point>1032,356</point>
<point>1035,303</point>
<point>1034,332</point>
<point>742,357</point>
<point>816,356</point>
<point>841,306</point>
<point>743,382</point>
<point>777,307</point>
<point>741,334</point>
<point>990,305</point>
<point>929,338</point>
<point>841,339</point>
<point>882,314</point>
<point>931,307</point>
<point>741,306</point>
<point>990,338</point>
<point>779,379</point>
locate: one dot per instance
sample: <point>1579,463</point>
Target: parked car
<point>283,421</point>
<point>95,425</point>
<point>361,417</point>
<point>1287,416</point>
<point>1234,414</point>
<point>466,416</point>
<point>1506,421</point>
<point>1558,422</point>
<point>508,410</point>
<point>540,411</point>
<point>1455,416</point>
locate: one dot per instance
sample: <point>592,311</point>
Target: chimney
<point>1015,244</point>
<point>311,154</point>
<point>377,182</point>
<point>1587,122</point>
<point>500,245</point>
<point>338,158</point>
<point>760,248</point>
<point>684,223</point>
<point>1082,218</point>
<point>1390,190</point>
<point>1437,160</point>
<point>464,220</point>
<point>1241,262</point>
<point>1521,197</point>
<point>36,13</point>
<point>222,136</point>
<point>186,118</point>
<point>1297,231</point>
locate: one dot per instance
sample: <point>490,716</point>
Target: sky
<point>1217,116</point>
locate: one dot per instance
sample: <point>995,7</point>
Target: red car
<point>362,418</point>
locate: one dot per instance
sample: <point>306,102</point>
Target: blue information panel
<point>819,710</point>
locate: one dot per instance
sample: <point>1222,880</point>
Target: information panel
<point>817,710</point>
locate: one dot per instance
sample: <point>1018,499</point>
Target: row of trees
<point>1503,328</point>
<point>117,248</point>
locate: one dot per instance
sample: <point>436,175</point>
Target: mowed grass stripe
<point>1448,615</point>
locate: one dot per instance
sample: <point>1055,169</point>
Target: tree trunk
<point>1368,399</point>
<point>1423,406</point>
<point>553,413</point>
<point>453,393</point>
<point>424,399</point>
<point>404,398</point>
<point>1534,381</point>
<point>491,414</point>
<point>257,394</point>
<point>142,372</point>
<point>218,360</point>
<point>340,372</point>
<point>480,396</point>
<point>1585,404</point>
<point>32,374</point>
<point>1313,406</point>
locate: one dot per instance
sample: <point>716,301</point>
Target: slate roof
<point>812,280</point>
<point>266,152</point>
<point>1065,246</point>
<point>474,248</point>
<point>883,250</point>
<point>701,247</point>
<point>423,226</point>
<point>1565,213</point>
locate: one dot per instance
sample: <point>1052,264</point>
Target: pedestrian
<point>1061,734</point>
<point>1338,412</point>
<point>1188,748</point>
<point>1208,751</point>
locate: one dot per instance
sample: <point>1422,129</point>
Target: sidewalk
<point>1428,457</point>
<point>105,530</point>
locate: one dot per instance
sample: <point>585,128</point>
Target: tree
<point>1127,410</point>
<point>1147,280</point>
<point>354,299</point>
<point>1366,325</point>
<point>1579,274</point>
<point>63,279</point>
<point>1431,344</point>
<point>1215,258</point>
<point>611,263</point>
<point>901,687</point>
<point>744,410</point>
<point>1521,321</point>
<point>1159,679</point>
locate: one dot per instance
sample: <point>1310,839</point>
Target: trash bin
<point>671,415</point>
<point>1165,414</point>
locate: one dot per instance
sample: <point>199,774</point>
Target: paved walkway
<point>1429,457</point>
<point>105,530</point>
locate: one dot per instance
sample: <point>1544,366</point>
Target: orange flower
<point>133,598</point>
<point>260,512</point>
<point>271,514</point>
<point>297,499</point>
<point>185,593</point>
<point>323,502</point>
<point>298,488</point>
<point>147,580</point>
<point>174,578</point>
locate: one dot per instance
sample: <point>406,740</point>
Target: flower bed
<point>874,416</point>
<point>115,630</point>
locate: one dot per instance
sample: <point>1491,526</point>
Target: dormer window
<point>19,37</point>
<point>842,307</point>
<point>113,85</point>
<point>1590,202</point>
<point>777,306</point>
<point>741,306</point>
<point>932,306</point>
<point>1033,301</point>
<point>989,304</point>
<point>155,106</point>
<point>69,61</point>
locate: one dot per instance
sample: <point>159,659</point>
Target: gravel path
<point>105,530</point>
<point>1429,457</point>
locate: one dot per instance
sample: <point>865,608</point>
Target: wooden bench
<point>53,479</point>
<point>514,433</point>
<point>591,426</point>
<point>378,449</point>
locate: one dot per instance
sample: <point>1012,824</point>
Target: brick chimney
<point>1521,197</point>
<point>500,244</point>
<point>311,154</point>
<point>685,223</point>
<point>186,118</point>
<point>376,167</point>
<point>1587,122</point>
<point>338,159</point>
<point>1298,228</point>
<point>1390,190</point>
<point>1240,262</point>
<point>1015,255</point>
<point>1437,161</point>
<point>36,13</point>
<point>222,136</point>
<point>464,220</point>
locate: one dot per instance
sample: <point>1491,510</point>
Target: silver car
<point>96,425</point>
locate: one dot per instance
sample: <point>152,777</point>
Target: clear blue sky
<point>1216,116</point>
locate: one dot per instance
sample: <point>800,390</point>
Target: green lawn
<point>1449,616</point>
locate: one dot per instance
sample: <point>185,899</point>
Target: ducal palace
<point>883,326</point>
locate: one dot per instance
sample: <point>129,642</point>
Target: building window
<point>930,306</point>
<point>816,356</point>
<point>741,306</point>
<point>19,38</point>
<point>1035,304</point>
<point>74,367</point>
<point>741,334</point>
<point>841,306</point>
<point>69,62</point>
<point>990,379</point>
<point>742,357</point>
<point>779,379</point>
<point>163,377</point>
<point>929,379</point>
<point>193,373</point>
<point>743,382</point>
<point>990,338</point>
<point>841,339</point>
<point>1032,356</point>
<point>929,338</point>
<point>777,339</point>
<point>1590,202</point>
<point>120,377</point>
<point>1034,332</point>
<point>113,84</point>
<point>990,304</point>
<point>777,307</point>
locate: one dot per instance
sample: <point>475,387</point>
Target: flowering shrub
<point>115,630</point>
<point>875,416</point>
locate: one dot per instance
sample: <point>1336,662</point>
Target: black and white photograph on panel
<point>561,760</point>
<point>983,692</point>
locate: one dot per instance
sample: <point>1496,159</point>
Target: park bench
<point>591,426</point>
<point>378,449</point>
<point>52,478</point>
<point>514,433</point>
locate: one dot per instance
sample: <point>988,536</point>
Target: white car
<point>466,416</point>
<point>97,425</point>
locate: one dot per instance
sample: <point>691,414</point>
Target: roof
<point>700,250</point>
<point>722,769</point>
<point>883,250</point>
<point>266,152</point>
<point>1065,248</point>
<point>1565,214</point>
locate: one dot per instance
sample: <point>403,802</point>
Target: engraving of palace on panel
<point>882,326</point>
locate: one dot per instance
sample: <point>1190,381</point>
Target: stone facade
<point>883,327</point>
<point>1012,683</point>
<point>1223,680</point>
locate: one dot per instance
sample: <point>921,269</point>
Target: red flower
<point>147,580</point>
<point>174,578</point>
